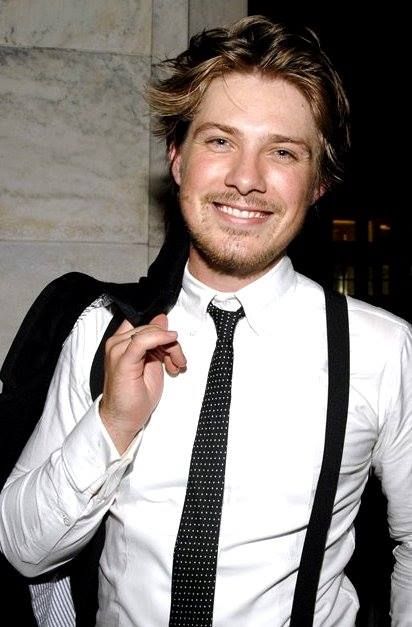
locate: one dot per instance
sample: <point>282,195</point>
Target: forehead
<point>257,104</point>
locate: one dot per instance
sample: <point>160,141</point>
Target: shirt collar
<point>259,299</point>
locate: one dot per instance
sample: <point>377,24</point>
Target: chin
<point>238,262</point>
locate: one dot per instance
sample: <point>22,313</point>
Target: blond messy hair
<point>255,44</point>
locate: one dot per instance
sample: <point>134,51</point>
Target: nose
<point>246,173</point>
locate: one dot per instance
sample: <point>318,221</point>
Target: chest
<point>276,430</point>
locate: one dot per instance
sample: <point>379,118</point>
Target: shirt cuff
<point>90,457</point>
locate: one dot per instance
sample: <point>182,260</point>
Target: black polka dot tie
<point>195,554</point>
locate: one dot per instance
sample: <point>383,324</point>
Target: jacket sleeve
<point>67,475</point>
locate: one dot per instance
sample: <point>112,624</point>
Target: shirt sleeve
<point>67,475</point>
<point>393,464</point>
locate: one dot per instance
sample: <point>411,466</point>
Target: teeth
<point>240,213</point>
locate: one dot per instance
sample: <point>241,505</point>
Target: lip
<point>237,214</point>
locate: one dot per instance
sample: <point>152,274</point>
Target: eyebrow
<point>275,138</point>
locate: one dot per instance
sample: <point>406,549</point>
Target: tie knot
<point>225,321</point>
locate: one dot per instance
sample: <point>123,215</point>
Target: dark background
<point>369,49</point>
<point>358,238</point>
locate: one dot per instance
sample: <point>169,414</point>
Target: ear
<point>318,192</point>
<point>175,161</point>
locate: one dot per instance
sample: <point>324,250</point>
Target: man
<point>255,120</point>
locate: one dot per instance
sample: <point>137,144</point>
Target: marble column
<point>74,150</point>
<point>80,177</point>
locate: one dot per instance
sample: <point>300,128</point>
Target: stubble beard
<point>235,251</point>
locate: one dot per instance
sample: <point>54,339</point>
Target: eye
<point>282,154</point>
<point>219,144</point>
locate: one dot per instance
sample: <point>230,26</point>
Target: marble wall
<point>79,171</point>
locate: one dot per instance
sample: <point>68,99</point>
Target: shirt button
<point>66,520</point>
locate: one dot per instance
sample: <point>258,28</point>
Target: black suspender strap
<point>338,397</point>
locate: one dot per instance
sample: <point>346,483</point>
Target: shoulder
<point>376,325</point>
<point>79,348</point>
<point>88,330</point>
<point>371,328</point>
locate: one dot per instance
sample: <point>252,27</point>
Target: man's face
<point>247,173</point>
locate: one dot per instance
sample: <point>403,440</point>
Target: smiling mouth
<point>243,214</point>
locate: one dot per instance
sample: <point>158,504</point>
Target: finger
<point>171,368</point>
<point>147,339</point>
<point>120,342</point>
<point>173,357</point>
<point>131,347</point>
<point>163,358</point>
<point>160,320</point>
<point>123,328</point>
<point>160,354</point>
<point>126,331</point>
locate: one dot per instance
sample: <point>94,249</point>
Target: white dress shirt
<point>70,473</point>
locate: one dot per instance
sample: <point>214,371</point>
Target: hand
<point>133,381</point>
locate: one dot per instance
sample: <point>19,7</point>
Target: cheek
<point>201,170</point>
<point>294,188</point>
